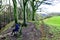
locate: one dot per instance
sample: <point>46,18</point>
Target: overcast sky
<point>49,8</point>
<point>55,7</point>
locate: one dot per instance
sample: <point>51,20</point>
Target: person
<point>16,29</point>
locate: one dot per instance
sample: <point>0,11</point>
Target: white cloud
<point>52,8</point>
<point>55,8</point>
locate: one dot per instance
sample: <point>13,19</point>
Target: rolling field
<point>53,21</point>
<point>54,27</point>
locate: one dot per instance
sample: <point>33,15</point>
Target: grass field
<point>53,21</point>
<point>54,24</point>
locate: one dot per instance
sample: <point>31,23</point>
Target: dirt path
<point>28,33</point>
<point>31,33</point>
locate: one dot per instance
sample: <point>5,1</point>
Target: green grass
<point>54,24</point>
<point>53,21</point>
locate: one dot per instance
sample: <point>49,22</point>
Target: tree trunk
<point>15,11</point>
<point>33,11</point>
<point>24,17</point>
<point>0,3</point>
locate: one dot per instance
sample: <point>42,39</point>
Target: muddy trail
<point>28,33</point>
